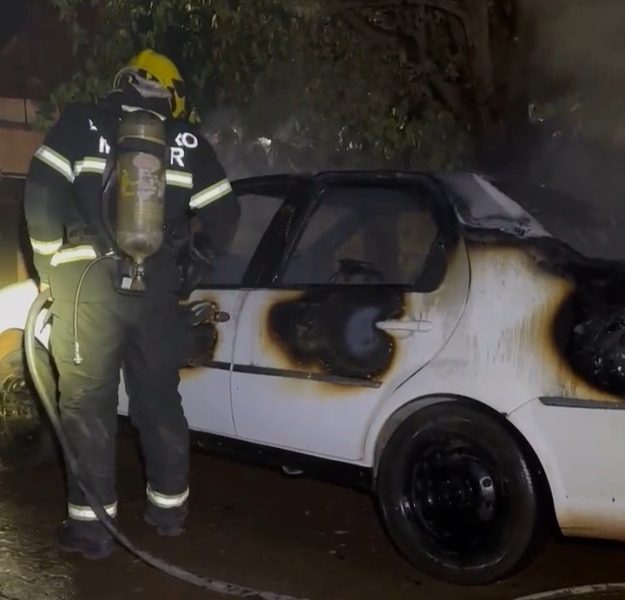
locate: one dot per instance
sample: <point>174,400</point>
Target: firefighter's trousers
<point>141,334</point>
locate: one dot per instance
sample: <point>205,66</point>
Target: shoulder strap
<point>100,224</point>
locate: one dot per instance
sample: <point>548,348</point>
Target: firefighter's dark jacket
<point>64,190</point>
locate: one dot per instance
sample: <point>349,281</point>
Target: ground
<point>255,527</point>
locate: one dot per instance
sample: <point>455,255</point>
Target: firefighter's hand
<point>43,287</point>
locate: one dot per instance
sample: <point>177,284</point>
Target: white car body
<point>484,335</point>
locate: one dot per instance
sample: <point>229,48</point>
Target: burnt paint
<point>333,330</point>
<point>588,331</point>
<point>596,302</point>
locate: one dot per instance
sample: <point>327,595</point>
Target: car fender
<point>452,374</point>
<point>395,413</point>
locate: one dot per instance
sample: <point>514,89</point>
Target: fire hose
<point>48,401</point>
<point>571,592</point>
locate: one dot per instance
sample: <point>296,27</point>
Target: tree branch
<point>449,94</point>
<point>363,26</point>
<point>446,6</point>
<point>337,6</point>
<point>421,33</point>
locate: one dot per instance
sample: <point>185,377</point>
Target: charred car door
<point>372,283</point>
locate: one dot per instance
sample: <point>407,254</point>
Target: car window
<point>363,235</point>
<point>256,214</point>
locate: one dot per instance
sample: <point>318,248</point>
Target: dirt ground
<point>255,527</point>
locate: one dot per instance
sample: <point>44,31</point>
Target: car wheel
<point>26,437</point>
<point>458,494</point>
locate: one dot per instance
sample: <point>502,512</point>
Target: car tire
<point>459,495</point>
<point>26,437</point>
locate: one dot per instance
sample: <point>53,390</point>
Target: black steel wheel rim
<point>455,496</point>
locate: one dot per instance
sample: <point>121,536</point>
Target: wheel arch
<point>410,408</point>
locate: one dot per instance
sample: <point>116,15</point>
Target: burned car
<point>451,342</point>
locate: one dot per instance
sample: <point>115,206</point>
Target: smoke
<point>579,83</point>
<point>246,150</point>
<point>582,38</point>
<point>249,142</point>
<point>576,143</point>
<point>580,47</point>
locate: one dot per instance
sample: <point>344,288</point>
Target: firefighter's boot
<point>92,543</point>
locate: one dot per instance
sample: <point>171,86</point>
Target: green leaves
<point>323,73</point>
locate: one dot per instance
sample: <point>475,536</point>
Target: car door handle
<point>419,325</point>
<point>220,316</point>
<point>204,312</point>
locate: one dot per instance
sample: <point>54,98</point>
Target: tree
<point>471,54</point>
<point>408,83</point>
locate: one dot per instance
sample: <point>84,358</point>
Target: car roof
<point>529,210</point>
<point>489,204</point>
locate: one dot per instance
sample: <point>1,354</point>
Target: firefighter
<point>64,208</point>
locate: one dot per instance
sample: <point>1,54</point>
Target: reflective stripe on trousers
<point>46,248</point>
<point>85,513</point>
<point>166,500</point>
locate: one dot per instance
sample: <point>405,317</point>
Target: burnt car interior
<point>336,233</point>
<point>590,329</point>
<point>362,236</point>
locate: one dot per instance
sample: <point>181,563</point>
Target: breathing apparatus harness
<point>140,169</point>
<point>135,175</point>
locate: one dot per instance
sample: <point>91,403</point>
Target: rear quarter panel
<point>503,353</point>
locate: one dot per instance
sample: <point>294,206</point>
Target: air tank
<point>141,166</point>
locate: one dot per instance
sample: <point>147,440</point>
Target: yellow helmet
<point>153,66</point>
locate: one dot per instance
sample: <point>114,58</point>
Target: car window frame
<point>435,202</point>
<point>263,256</point>
<point>277,240</point>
